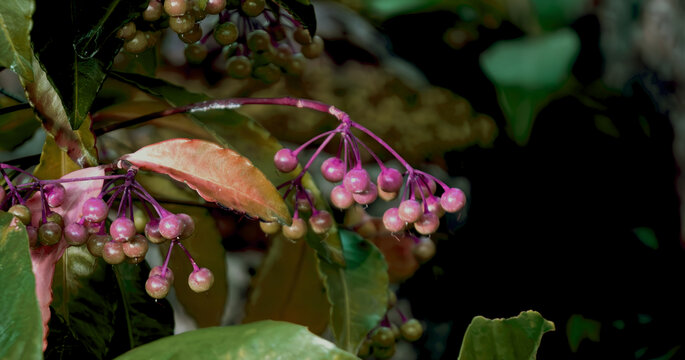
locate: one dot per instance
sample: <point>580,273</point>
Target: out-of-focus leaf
<point>288,288</point>
<point>245,135</point>
<point>144,63</point>
<point>15,39</point>
<point>217,174</point>
<point>390,8</point>
<point>358,292</point>
<point>205,246</point>
<point>578,328</point>
<point>79,144</point>
<point>53,161</point>
<point>552,15</point>
<point>398,253</point>
<point>302,11</point>
<point>647,237</point>
<point>516,338</point>
<point>77,61</point>
<point>22,331</point>
<point>526,71</point>
<point>16,127</point>
<point>261,340</point>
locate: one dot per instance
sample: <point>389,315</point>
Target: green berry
<point>154,11</point>
<point>269,73</point>
<point>137,44</point>
<point>22,213</point>
<point>55,218</point>
<point>194,35</point>
<point>313,50</point>
<point>302,36</point>
<point>195,53</point>
<point>270,228</point>
<point>296,65</point>
<point>384,352</point>
<point>411,330</point>
<point>181,24</point>
<point>383,336</point>
<point>127,32</point>
<point>226,33</point>
<point>253,7</point>
<point>258,40</point>
<point>239,67</point>
<point>49,233</point>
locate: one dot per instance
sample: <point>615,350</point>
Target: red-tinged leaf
<point>217,174</point>
<point>44,258</point>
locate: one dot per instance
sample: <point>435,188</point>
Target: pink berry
<point>94,210</point>
<point>356,181</point>
<point>170,226</point>
<point>427,224</point>
<point>201,280</point>
<point>433,205</point>
<point>122,229</point>
<point>55,195</point>
<point>113,253</point>
<point>410,210</point>
<point>452,200</point>
<point>75,234</point>
<point>341,198</point>
<point>152,232</point>
<point>368,196</point>
<point>321,222</point>
<point>157,287</point>
<point>333,169</point>
<point>188,225</point>
<point>136,247</point>
<point>285,160</point>
<point>424,187</point>
<point>157,271</point>
<point>390,180</point>
<point>392,221</point>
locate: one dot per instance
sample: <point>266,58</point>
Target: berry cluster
<point>253,37</point>
<point>380,342</point>
<point>116,243</point>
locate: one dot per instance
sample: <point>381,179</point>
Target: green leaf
<point>78,144</point>
<point>261,340</point>
<point>287,287</point>
<point>647,237</point>
<point>77,61</point>
<point>516,338</point>
<point>302,11</point>
<point>578,328</point>
<point>243,134</point>
<point>358,292</point>
<point>54,163</point>
<point>552,15</point>
<point>15,40</point>
<point>21,334</point>
<point>16,127</point>
<point>526,71</point>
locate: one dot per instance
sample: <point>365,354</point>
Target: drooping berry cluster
<point>254,37</point>
<point>115,241</point>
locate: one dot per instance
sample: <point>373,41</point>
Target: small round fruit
<point>268,74</point>
<point>304,200</point>
<point>49,233</point>
<point>296,64</point>
<point>384,352</point>
<point>136,247</point>
<point>55,218</point>
<point>226,33</point>
<point>157,287</point>
<point>295,231</point>
<point>258,40</point>
<point>201,280</point>
<point>153,11</point>
<point>365,349</point>
<point>94,210</point>
<point>152,38</point>
<point>433,205</point>
<point>137,44</point>
<point>321,222</point>
<point>368,196</point>
<point>168,274</point>
<point>96,244</point>
<point>341,198</point>
<point>302,36</point>
<point>136,260</point>
<point>424,250</point>
<point>170,226</point>
<point>181,24</point>
<point>21,212</point>
<point>282,55</point>
<point>253,7</point>
<point>188,225</point>
<point>122,229</point>
<point>175,7</point>
<point>383,336</point>
<point>424,187</point>
<point>195,53</point>
<point>33,236</point>
<point>333,169</point>
<point>55,195</point>
<point>113,253</point>
<point>387,196</point>
<point>270,227</point>
<point>140,219</point>
<point>356,181</point>
<point>411,330</point>
<point>285,160</point>
<point>427,224</point>
<point>127,32</point>
<point>152,232</point>
<point>390,180</point>
<point>410,210</point>
<point>392,221</point>
<point>75,234</point>
<point>452,200</point>
<point>214,7</point>
<point>313,50</point>
<point>191,36</point>
<point>392,299</point>
<point>238,67</point>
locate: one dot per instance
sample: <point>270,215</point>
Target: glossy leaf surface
<point>261,340</point>
<point>15,39</point>
<point>217,174</point>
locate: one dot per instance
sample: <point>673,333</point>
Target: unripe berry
<point>140,219</point>
<point>22,213</point>
<point>424,250</point>
<point>356,181</point>
<point>302,36</point>
<point>168,274</point>
<point>392,299</point>
<point>153,11</point>
<point>55,195</point>
<point>384,352</point>
<point>258,40</point>
<point>122,229</point>
<point>368,196</point>
<point>201,280</point>
<point>127,32</point>
<point>341,198</point>
<point>152,232</point>
<point>96,244</point>
<point>427,224</point>
<point>285,160</point>
<point>94,210</point>
<point>392,221</point>
<point>295,231</point>
<point>32,233</point>
<point>390,180</point>
<point>333,169</point>
<point>215,6</point>
<point>49,233</point>
<point>195,53</point>
<point>387,196</point>
<point>238,67</point>
<point>175,7</point>
<point>253,7</point>
<point>137,44</point>
<point>157,287</point>
<point>296,64</point>
<point>383,336</point>
<point>313,50</point>
<point>152,37</point>
<point>188,225</point>
<point>192,35</point>
<point>113,253</point>
<point>270,228</point>
<point>226,33</point>
<point>321,222</point>
<point>268,73</point>
<point>282,55</point>
<point>75,234</point>
<point>170,226</point>
<point>55,218</point>
<point>411,330</point>
<point>136,247</point>
<point>453,200</point>
<point>181,24</point>
<point>304,201</point>
<point>410,210</point>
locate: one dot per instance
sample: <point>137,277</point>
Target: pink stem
<point>190,257</point>
<point>168,256</point>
